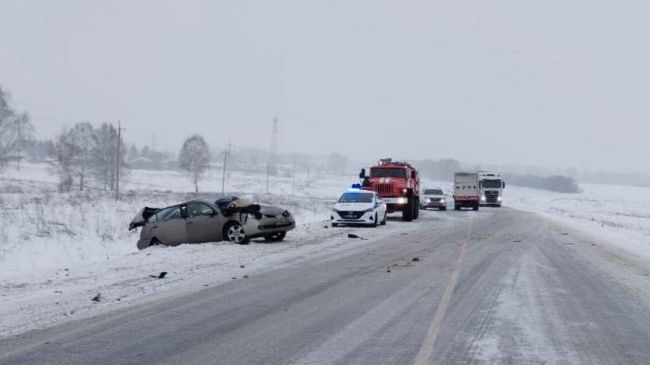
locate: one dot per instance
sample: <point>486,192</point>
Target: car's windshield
<point>433,192</point>
<point>387,172</point>
<point>356,198</point>
<point>491,184</point>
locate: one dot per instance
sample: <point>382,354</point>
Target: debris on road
<point>159,276</point>
<point>97,298</point>
<point>416,259</point>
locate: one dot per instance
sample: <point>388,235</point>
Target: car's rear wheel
<point>234,233</point>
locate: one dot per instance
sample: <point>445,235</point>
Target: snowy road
<point>497,286</point>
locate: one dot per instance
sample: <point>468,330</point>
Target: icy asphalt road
<point>497,286</point>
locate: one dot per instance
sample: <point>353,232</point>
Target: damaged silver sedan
<point>198,221</point>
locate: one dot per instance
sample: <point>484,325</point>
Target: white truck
<point>491,189</point>
<point>466,190</point>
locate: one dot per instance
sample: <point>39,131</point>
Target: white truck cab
<point>491,189</point>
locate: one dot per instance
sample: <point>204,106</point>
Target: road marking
<point>426,350</point>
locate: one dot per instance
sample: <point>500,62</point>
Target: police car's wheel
<point>375,223</point>
<point>383,222</point>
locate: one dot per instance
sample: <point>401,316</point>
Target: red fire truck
<point>398,184</point>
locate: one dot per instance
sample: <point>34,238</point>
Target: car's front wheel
<point>234,233</point>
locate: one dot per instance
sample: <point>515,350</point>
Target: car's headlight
<point>499,198</point>
<point>483,198</point>
<point>442,201</point>
<point>368,210</point>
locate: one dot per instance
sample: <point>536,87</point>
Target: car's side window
<point>199,209</point>
<point>168,214</point>
<point>153,218</point>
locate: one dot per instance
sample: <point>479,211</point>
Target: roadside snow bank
<point>620,215</point>
<point>48,231</point>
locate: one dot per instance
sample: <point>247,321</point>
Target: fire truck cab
<point>397,183</point>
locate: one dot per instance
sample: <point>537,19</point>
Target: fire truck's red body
<point>398,184</point>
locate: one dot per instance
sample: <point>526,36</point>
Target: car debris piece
<point>159,276</point>
<point>354,236</point>
<point>97,298</point>
<point>416,259</point>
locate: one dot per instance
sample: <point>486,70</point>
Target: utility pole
<point>20,141</point>
<point>226,155</point>
<point>293,180</point>
<point>271,164</point>
<point>118,160</point>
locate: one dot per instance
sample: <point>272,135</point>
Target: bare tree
<point>15,130</point>
<point>194,158</point>
<point>65,152</point>
<point>81,136</point>
<point>104,156</point>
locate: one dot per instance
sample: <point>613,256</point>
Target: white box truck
<point>466,190</point>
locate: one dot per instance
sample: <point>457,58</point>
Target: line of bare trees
<point>87,156</point>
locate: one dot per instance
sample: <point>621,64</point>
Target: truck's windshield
<point>387,172</point>
<point>433,192</point>
<point>356,198</point>
<point>491,184</point>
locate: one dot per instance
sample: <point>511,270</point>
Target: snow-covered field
<point>57,251</point>
<point>43,229</point>
<point>617,215</point>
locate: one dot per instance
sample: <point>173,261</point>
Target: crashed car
<point>200,221</point>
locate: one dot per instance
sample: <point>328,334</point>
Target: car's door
<point>380,207</point>
<point>203,223</point>
<point>170,225</point>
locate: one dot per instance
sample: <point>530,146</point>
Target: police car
<point>357,206</point>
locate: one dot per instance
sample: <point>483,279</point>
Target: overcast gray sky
<point>556,83</point>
